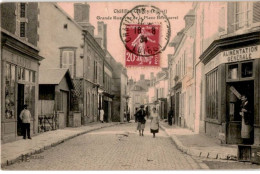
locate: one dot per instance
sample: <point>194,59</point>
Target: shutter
<point>222,20</point>
<point>256,12</point>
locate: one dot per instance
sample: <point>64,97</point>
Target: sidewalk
<point>198,144</point>
<point>14,151</point>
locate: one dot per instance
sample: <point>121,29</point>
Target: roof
<point>54,76</point>
<point>177,39</point>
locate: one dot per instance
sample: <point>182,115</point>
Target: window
<point>247,70</point>
<point>233,71</point>
<point>212,94</point>
<point>9,91</point>
<point>22,10</point>
<point>222,18</point>
<point>22,29</point>
<point>240,71</point>
<point>243,14</point>
<point>68,61</point>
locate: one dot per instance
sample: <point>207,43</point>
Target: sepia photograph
<point>130,86</point>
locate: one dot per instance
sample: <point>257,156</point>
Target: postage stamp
<point>145,32</point>
<point>142,43</point>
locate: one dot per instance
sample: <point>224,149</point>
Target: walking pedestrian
<point>154,127</point>
<point>141,120</point>
<point>136,110</point>
<point>170,116</point>
<point>25,116</point>
<point>102,116</point>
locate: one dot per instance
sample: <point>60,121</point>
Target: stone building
<point>227,60</point>
<point>161,91</point>
<point>61,45</point>
<point>181,70</point>
<point>19,64</point>
<point>119,91</point>
<point>138,93</point>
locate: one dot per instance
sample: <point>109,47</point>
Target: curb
<point>38,150</point>
<point>198,153</point>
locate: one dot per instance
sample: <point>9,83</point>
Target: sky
<point>114,44</point>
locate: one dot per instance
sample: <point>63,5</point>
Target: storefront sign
<point>19,60</point>
<point>234,55</point>
<point>241,54</point>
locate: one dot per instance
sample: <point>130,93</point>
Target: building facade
<point>119,91</point>
<point>181,68</point>
<point>19,67</point>
<point>227,59</point>
<point>138,94</point>
<point>161,91</point>
<point>60,53</point>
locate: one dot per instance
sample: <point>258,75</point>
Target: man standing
<point>246,113</point>
<point>26,119</point>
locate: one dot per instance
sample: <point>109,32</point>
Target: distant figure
<point>102,116</point>
<point>124,115</point>
<point>141,120</point>
<point>25,116</point>
<point>170,116</point>
<point>246,115</point>
<point>128,116</point>
<point>154,122</point>
<point>136,110</point>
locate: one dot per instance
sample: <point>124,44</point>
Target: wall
<point>70,37</point>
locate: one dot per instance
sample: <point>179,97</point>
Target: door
<point>65,106</point>
<point>20,104</point>
<point>105,111</point>
<point>234,120</point>
<point>177,108</point>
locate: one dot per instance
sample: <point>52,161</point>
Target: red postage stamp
<point>142,45</point>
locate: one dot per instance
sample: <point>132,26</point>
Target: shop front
<point>19,74</point>
<point>231,67</point>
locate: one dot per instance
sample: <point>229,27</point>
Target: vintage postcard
<point>164,85</point>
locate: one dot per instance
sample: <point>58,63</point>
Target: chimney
<point>81,12</point>
<point>189,18</point>
<point>99,40</point>
<point>81,16</point>
<point>142,77</point>
<point>102,32</point>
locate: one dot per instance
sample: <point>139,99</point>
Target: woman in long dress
<point>154,122</point>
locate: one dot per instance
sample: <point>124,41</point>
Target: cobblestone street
<point>115,148</point>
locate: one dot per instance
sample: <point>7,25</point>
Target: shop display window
<point>247,70</point>
<point>233,71</point>
<point>212,94</point>
<point>9,91</point>
<point>240,71</point>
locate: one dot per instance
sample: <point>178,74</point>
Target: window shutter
<point>256,12</point>
<point>222,19</point>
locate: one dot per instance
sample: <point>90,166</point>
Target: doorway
<point>105,111</point>
<point>177,109</point>
<point>234,120</point>
<point>20,104</point>
<point>65,107</point>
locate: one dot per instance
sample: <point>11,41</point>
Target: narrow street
<point>114,148</point>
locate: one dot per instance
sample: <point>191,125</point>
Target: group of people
<point>140,119</point>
